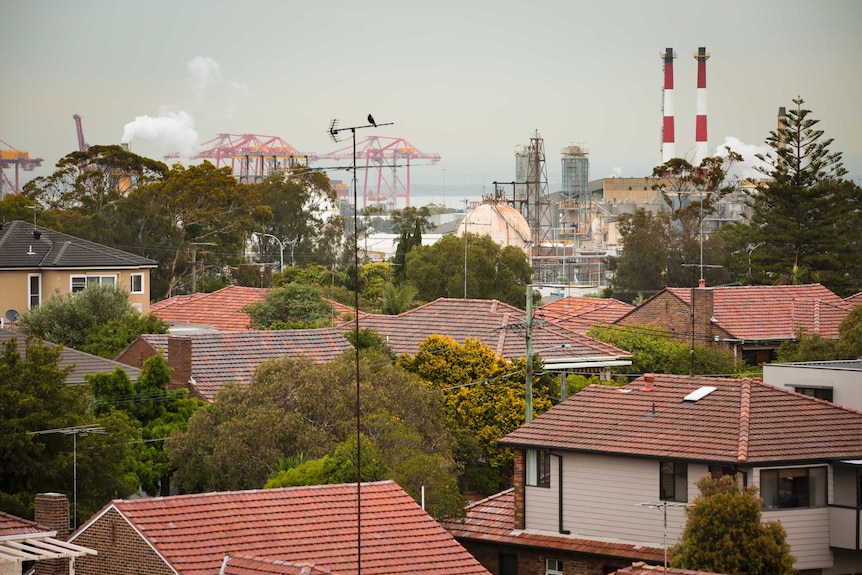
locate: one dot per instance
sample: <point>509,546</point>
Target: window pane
<point>78,283</point>
<point>680,490</point>
<point>532,472</point>
<point>137,285</point>
<point>109,280</point>
<point>769,488</point>
<point>817,482</point>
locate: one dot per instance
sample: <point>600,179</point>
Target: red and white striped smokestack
<point>668,147</point>
<point>701,148</point>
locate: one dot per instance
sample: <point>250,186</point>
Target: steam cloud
<point>748,167</point>
<point>168,130</point>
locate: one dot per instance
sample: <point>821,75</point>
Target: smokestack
<point>668,149</point>
<point>701,150</point>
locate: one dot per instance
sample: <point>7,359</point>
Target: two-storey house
<point>605,476</point>
<point>36,262</point>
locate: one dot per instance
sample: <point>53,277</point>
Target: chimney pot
<point>649,382</point>
<point>701,283</point>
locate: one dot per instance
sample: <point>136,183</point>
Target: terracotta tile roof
<point>773,312</point>
<point>221,309</point>
<point>641,568</point>
<point>492,520</point>
<point>581,313</point>
<point>222,356</point>
<point>498,325</point>
<point>241,565</point>
<point>20,249</point>
<point>854,300</point>
<point>742,421</point>
<point>82,363</point>
<point>13,525</point>
<point>314,525</point>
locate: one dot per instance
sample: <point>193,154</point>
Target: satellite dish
<point>12,315</point>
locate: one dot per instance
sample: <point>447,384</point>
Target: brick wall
<point>180,361</point>
<point>518,478</point>
<point>51,510</point>
<point>533,561</point>
<point>665,310</point>
<point>121,550</point>
<point>136,354</point>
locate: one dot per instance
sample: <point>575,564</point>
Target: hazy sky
<point>470,80</point>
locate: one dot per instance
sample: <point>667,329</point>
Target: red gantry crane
<point>251,157</point>
<point>21,161</point>
<point>380,157</point>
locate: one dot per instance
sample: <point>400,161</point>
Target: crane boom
<point>82,146</point>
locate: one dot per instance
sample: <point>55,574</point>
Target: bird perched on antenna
<point>371,120</point>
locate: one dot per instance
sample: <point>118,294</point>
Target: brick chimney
<point>180,361</point>
<point>52,511</point>
<point>702,309</point>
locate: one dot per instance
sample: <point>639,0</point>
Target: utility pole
<point>528,356</point>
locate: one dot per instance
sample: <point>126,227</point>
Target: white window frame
<point>30,294</point>
<point>91,279</point>
<point>132,283</point>
<point>538,467</point>
<point>553,567</point>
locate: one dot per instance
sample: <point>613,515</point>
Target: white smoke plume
<point>174,131</point>
<point>204,72</point>
<point>748,167</point>
<point>205,78</point>
<point>616,172</point>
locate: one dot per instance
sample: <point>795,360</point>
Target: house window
<point>818,392</point>
<point>81,282</point>
<point>34,292</point>
<point>553,567</point>
<point>539,467</point>
<point>794,488</point>
<point>508,564</point>
<point>673,481</point>
<point>137,283</point>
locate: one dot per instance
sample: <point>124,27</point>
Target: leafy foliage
<point>109,339</point>
<point>34,397</point>
<point>813,347</point>
<point>724,533</point>
<point>654,351</point>
<point>295,406</point>
<point>154,411</point>
<point>492,272</point>
<point>397,299</point>
<point>410,223</point>
<point>293,306</point>
<point>485,400</point>
<point>69,319</point>
<point>806,217</point>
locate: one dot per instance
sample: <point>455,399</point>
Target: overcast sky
<point>470,80</point>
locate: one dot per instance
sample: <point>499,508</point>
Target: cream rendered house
<point>36,262</point>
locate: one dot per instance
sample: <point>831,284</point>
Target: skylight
<point>699,394</point>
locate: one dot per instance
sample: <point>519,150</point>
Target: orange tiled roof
<point>773,312</point>
<point>221,309</point>
<point>314,525</point>
<point>13,525</point>
<point>742,421</point>
<point>493,520</point>
<point>222,356</point>
<point>854,300</point>
<point>496,324</point>
<point>581,313</point>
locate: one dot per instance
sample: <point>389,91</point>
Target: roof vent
<point>698,394</point>
<point>37,234</point>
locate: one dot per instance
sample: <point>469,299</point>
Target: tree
<point>194,222</point>
<point>397,299</point>
<point>806,217</point>
<point>21,207</point>
<point>34,398</point>
<point>305,218</point>
<point>646,258</point>
<point>814,347</point>
<point>485,399</point>
<point>724,533</point>
<point>492,272</point>
<point>296,406</point>
<point>293,306</point>
<point>155,412</point>
<point>71,318</point>
<point>109,339</point>
<point>655,351</point>
<point>409,223</point>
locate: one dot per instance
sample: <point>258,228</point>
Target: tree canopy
<point>492,272</point>
<point>724,533</point>
<point>294,306</point>
<point>806,217</point>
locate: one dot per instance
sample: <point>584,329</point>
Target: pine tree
<point>804,215</point>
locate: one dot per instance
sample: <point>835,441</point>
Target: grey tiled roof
<point>20,248</point>
<point>84,363</point>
